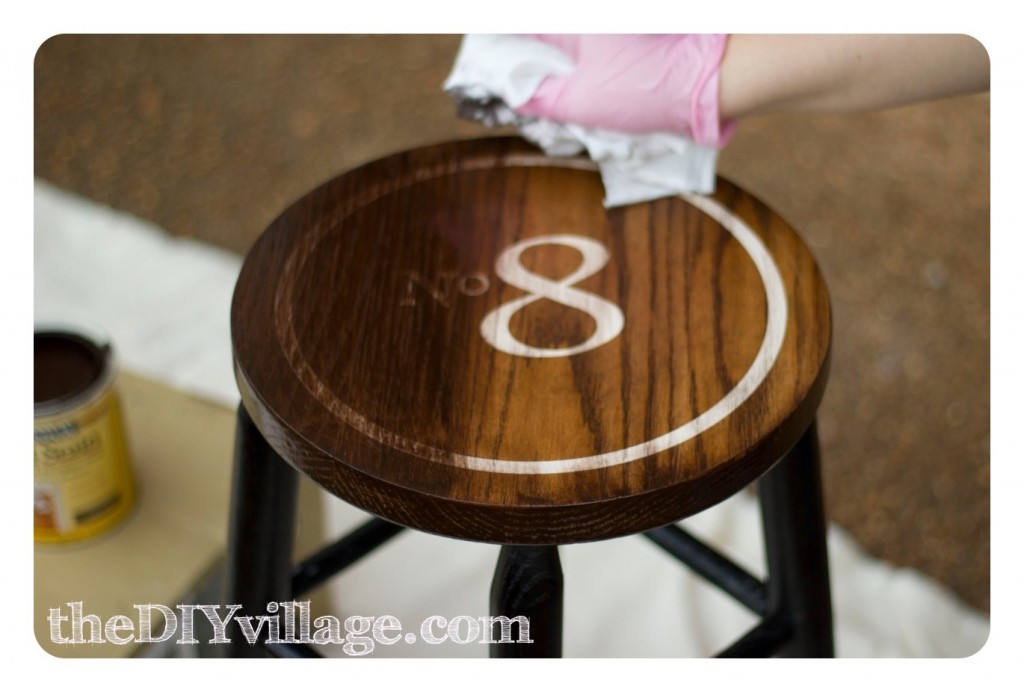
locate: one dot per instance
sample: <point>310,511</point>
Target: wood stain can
<point>83,478</point>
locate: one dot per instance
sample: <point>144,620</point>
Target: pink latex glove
<point>637,84</point>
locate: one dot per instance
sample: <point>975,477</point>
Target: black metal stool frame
<point>794,604</point>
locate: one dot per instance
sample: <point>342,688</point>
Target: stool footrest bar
<point>764,640</point>
<point>712,566</point>
<point>291,650</point>
<point>324,564</point>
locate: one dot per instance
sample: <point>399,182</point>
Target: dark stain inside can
<point>66,365</point>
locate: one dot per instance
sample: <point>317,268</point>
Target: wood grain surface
<point>462,339</point>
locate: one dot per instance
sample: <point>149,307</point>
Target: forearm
<point>839,73</point>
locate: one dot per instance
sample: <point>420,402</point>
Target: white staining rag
<point>496,73</point>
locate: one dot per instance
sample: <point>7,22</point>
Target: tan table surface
<point>181,453</point>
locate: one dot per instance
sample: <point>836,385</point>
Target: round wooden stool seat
<point>461,339</point>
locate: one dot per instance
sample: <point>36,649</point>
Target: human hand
<point>637,84</point>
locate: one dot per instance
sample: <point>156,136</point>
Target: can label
<point>83,476</point>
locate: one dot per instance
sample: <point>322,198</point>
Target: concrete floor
<point>211,137</point>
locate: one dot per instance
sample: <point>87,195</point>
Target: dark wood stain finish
<point>358,352</point>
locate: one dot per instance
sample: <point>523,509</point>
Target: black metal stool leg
<point>792,509</point>
<point>527,584</point>
<point>260,535</point>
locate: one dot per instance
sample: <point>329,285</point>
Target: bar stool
<point>460,339</point>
